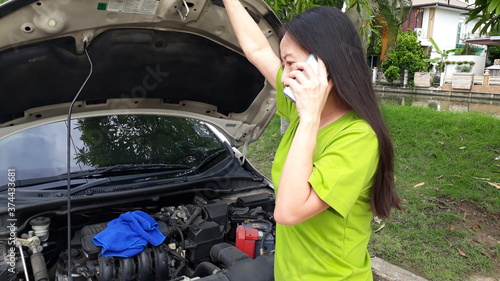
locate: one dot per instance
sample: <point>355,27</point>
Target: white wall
<point>446,21</point>
<point>477,68</point>
<point>425,22</point>
<point>467,29</point>
<point>446,28</point>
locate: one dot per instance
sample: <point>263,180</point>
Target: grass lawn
<point>447,170</point>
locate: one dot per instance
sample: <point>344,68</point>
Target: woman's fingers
<point>306,80</point>
<point>305,70</point>
<point>308,70</point>
<point>296,86</point>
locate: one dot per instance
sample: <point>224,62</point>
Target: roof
<point>491,41</point>
<point>444,3</point>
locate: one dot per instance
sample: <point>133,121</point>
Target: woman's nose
<point>285,75</point>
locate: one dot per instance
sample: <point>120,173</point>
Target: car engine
<point>206,239</point>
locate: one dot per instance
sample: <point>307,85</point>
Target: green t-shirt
<point>333,244</point>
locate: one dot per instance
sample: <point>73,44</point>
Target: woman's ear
<point>330,84</point>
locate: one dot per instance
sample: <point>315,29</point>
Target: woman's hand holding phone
<point>310,92</point>
<point>311,60</point>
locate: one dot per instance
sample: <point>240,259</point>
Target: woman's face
<point>291,53</point>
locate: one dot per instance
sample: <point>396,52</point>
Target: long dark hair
<point>330,34</point>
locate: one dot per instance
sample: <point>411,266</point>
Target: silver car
<point>123,131</point>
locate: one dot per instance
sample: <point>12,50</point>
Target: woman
<point>334,167</point>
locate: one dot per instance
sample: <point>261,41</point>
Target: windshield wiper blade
<point>140,167</point>
<point>210,158</point>
<point>129,178</point>
<point>148,168</point>
<point>111,180</point>
<point>175,169</point>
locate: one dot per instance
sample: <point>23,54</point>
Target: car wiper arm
<point>139,168</point>
<point>108,181</point>
<point>180,168</point>
<point>149,168</point>
<point>127,178</point>
<point>210,158</point>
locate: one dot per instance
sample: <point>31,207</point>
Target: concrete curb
<point>384,271</point>
<point>487,96</point>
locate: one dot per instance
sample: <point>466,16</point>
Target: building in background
<point>445,22</point>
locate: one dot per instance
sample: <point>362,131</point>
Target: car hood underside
<point>160,59</point>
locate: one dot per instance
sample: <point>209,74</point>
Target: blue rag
<point>128,235</point>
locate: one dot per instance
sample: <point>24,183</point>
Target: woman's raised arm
<point>252,41</point>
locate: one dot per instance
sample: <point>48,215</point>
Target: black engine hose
<point>176,273</point>
<point>240,267</point>
<point>204,269</point>
<point>269,229</point>
<point>195,214</point>
<point>227,254</point>
<point>183,241</point>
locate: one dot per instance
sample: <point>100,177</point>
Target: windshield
<point>100,142</point>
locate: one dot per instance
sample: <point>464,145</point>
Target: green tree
<point>374,43</point>
<point>488,13</point>
<point>378,21</point>
<point>494,51</point>
<point>407,55</point>
<point>375,20</point>
<point>287,10</point>
<point>142,139</point>
<point>390,15</point>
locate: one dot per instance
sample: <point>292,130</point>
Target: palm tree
<point>371,17</point>
<point>288,9</point>
<point>381,18</point>
<point>391,14</point>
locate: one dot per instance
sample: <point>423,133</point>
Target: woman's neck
<point>332,112</point>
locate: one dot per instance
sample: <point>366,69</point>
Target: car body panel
<point>153,58</point>
<point>66,62</point>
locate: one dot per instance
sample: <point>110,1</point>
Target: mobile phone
<point>313,62</point>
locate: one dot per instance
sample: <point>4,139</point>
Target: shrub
<point>493,51</point>
<point>435,80</point>
<point>392,73</point>
<point>463,68</point>
<point>407,55</point>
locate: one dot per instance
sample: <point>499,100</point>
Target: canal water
<point>442,103</point>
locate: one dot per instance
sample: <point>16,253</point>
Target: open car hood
<point>165,57</point>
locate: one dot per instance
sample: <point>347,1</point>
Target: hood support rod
<point>68,158</point>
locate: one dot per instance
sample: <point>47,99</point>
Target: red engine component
<point>245,240</point>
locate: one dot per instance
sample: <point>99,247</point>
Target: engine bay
<point>226,238</point>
